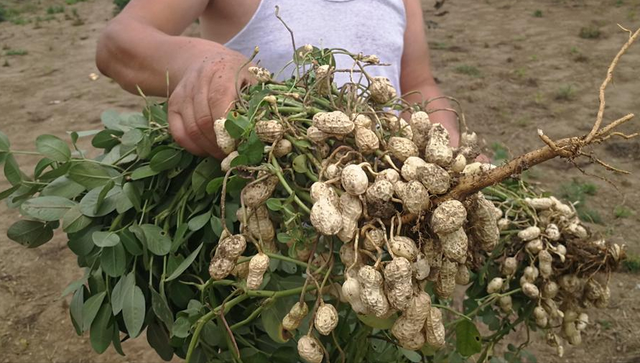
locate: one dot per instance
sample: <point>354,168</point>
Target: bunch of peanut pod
<point>336,229</point>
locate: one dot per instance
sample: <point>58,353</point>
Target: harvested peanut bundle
<point>224,260</point>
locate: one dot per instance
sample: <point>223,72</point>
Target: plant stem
<point>286,186</point>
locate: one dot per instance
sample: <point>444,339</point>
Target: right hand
<point>205,93</point>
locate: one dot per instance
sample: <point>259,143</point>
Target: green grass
<point>500,153</point>
<point>3,14</point>
<point>537,14</point>
<point>16,52</point>
<point>620,211</point>
<point>590,32</point>
<point>55,9</point>
<point>73,2</point>
<point>468,70</point>
<point>632,263</point>
<point>565,93</point>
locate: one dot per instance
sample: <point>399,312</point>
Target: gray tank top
<point>367,26</point>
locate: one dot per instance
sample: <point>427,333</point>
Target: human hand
<point>205,92</point>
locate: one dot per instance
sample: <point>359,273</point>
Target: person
<point>143,44</point>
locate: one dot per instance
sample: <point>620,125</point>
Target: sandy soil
<point>513,71</point>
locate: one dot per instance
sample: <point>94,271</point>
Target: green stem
<point>116,222</point>
<point>206,318</point>
<point>286,186</point>
<point>445,307</point>
<point>246,321</point>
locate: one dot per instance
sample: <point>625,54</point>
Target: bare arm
<point>143,43</point>
<point>416,71</point>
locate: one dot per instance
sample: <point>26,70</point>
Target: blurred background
<point>516,66</point>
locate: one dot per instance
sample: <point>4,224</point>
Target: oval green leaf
<point>101,332</point>
<point>30,234</point>
<point>90,309</point>
<point>105,238</point>
<point>63,187</point>
<point>114,260</point>
<point>185,264</point>
<point>468,339</point>
<point>53,148</point>
<point>158,241</point>
<point>133,311</point>
<point>89,174</point>
<point>47,208</point>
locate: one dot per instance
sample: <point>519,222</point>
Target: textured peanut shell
<point>231,247</point>
<point>372,293</point>
<point>438,150</point>
<point>434,328</point>
<point>549,290</point>
<point>351,209</point>
<point>241,271</point>
<point>326,319</point>
<point>316,136</point>
<point>320,190</point>
<point>420,126</point>
<point>534,246</point>
<point>347,254</point>
<point>381,89</point>
<point>397,274</point>
<point>529,233</point>
<point>458,164</point>
<point>324,77</point>
<point>257,267</point>
<point>354,180</point>
<point>219,268</point>
<point>259,225</point>
<point>412,320</point>
<point>225,164</point>
<point>434,178</point>
<point>462,276</point>
<point>362,121</point>
<point>433,254</point>
<point>269,131</point>
<point>282,148</point>
<point>334,123</point>
<point>530,290</point>
<point>448,217</point>
<point>446,279</point>
<point>351,290</point>
<point>380,191</point>
<point>495,285</point>
<point>482,222</point>
<point>404,247</point>
<point>225,142</point>
<point>455,245</point>
<point>505,303</point>
<point>373,239</point>
<point>367,141</point>
<point>539,203</point>
<point>389,175</point>
<point>254,194</point>
<point>325,217</point>
<point>410,168</point>
<point>414,343</point>
<point>509,266</point>
<point>552,232</point>
<point>310,349</point>
<point>415,197</point>
<point>402,148</point>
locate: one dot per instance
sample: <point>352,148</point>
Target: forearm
<point>137,55</point>
<point>447,119</point>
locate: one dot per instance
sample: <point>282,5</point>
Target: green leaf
<point>377,323</point>
<point>158,241</point>
<point>156,113</point>
<point>131,243</point>
<point>116,340</point>
<point>252,149</point>
<point>204,172</point>
<point>47,208</point>
<point>123,203</point>
<point>74,221</point>
<point>5,193</point>
<point>111,119</point>
<point>132,137</point>
<point>236,124</point>
<point>81,243</point>
<point>114,260</point>
<point>143,172</point>
<point>299,164</point>
<point>90,309</point>
<point>468,339</point>
<point>121,289</point>
<point>75,310</point>
<point>101,332</point>
<point>144,147</point>
<point>5,145</point>
<point>106,139</point>
<point>12,171</point>
<point>165,160</point>
<point>161,308</point>
<point>271,319</point>
<point>410,355</point>
<point>133,311</point>
<point>105,238</point>
<point>74,286</point>
<point>41,166</point>
<point>133,193</point>
<point>89,175</point>
<point>158,339</point>
<point>63,187</point>
<point>274,204</point>
<point>103,192</point>
<point>196,223</point>
<point>185,264</point>
<point>215,185</point>
<point>53,148</point>
<point>89,203</point>
<point>181,327</point>
<point>61,170</point>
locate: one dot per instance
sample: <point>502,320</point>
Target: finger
<point>194,133</point>
<point>203,113</point>
<point>179,134</point>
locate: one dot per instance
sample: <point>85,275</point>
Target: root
<point>569,148</point>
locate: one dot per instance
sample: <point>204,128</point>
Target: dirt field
<point>515,65</point>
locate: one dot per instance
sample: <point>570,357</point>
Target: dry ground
<point>515,65</point>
